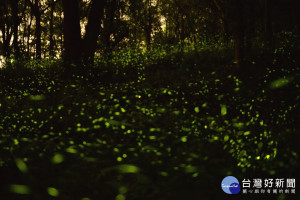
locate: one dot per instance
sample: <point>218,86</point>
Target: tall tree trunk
<point>2,29</point>
<point>7,35</point>
<point>16,22</point>
<point>38,30</point>
<point>28,37</point>
<point>38,36</point>
<point>110,9</point>
<point>72,35</point>
<point>61,37</point>
<point>5,29</point>
<point>148,27</point>
<point>23,34</point>
<point>24,37</point>
<point>6,44</point>
<point>92,30</point>
<point>51,30</point>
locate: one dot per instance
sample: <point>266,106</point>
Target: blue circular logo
<point>230,185</point>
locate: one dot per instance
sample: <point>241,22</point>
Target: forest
<point>148,99</point>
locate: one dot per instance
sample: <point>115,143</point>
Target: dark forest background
<point>76,30</point>
<point>147,99</point>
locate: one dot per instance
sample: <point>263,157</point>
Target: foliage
<point>154,124</point>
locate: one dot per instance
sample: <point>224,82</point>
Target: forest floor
<point>156,126</point>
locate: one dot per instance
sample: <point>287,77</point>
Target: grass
<point>162,124</point>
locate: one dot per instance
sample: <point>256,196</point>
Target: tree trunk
<point>61,37</point>
<point>110,9</point>
<point>51,30</point>
<point>16,22</point>
<point>38,29</point>
<point>6,42</point>
<point>23,33</point>
<point>93,30</point>
<point>72,35</point>
<point>6,33</point>
<point>148,27</point>
<point>28,37</point>
<point>38,35</point>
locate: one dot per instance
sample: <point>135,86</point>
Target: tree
<point>37,28</point>
<point>92,30</point>
<point>51,28</point>
<point>109,17</point>
<point>16,23</point>
<point>72,35</point>
<point>76,50</point>
<point>35,9</point>
<point>6,26</point>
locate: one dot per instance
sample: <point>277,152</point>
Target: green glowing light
<point>57,158</point>
<point>19,189</point>
<point>53,191</point>
<point>223,110</point>
<point>21,165</point>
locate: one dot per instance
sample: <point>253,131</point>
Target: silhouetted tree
<point>6,26</point>
<point>35,9</point>
<point>16,22</point>
<point>72,35</point>
<point>93,30</point>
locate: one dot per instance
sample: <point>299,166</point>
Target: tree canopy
<point>76,30</point>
